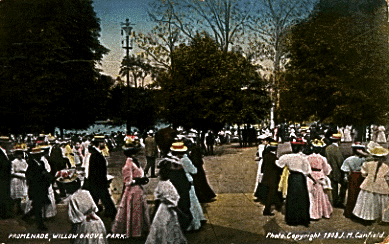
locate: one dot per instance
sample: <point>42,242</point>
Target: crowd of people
<point>36,177</point>
<point>302,173</point>
<point>307,179</point>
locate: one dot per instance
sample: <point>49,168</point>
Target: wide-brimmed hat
<point>51,138</point>
<point>44,146</point>
<point>318,143</point>
<point>19,148</point>
<point>358,145</point>
<point>336,136</point>
<point>36,150</point>
<point>4,139</point>
<point>304,128</point>
<point>131,144</point>
<point>299,141</point>
<point>172,159</point>
<point>273,144</point>
<point>178,147</point>
<point>377,150</point>
<point>99,138</point>
<point>67,176</point>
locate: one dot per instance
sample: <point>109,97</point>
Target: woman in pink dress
<point>133,217</point>
<point>320,205</point>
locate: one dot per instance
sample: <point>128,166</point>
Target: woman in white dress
<point>165,227</point>
<point>82,213</point>
<point>373,199</point>
<point>19,189</point>
<point>179,149</point>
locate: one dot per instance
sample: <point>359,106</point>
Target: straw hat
<point>130,144</point>
<point>36,150</point>
<point>336,136</point>
<point>178,147</point>
<point>19,148</point>
<point>4,139</point>
<point>318,143</point>
<point>377,150</point>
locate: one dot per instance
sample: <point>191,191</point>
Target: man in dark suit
<point>38,181</point>
<point>5,180</point>
<point>335,159</point>
<point>97,180</point>
<point>271,178</point>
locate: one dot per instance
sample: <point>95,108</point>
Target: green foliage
<point>48,53</point>
<point>338,68</point>
<point>137,67</point>
<point>207,88</point>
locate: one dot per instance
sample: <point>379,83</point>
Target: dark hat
<point>358,145</point>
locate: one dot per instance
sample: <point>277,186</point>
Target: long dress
<point>258,179</point>
<point>320,205</point>
<point>133,216</point>
<point>50,210</point>
<point>203,191</point>
<point>373,198</point>
<point>180,181</point>
<point>297,199</point>
<point>165,227</point>
<point>80,205</point>
<point>353,165</point>
<point>195,207</point>
<point>18,180</point>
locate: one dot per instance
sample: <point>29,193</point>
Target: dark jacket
<point>335,159</point>
<point>38,180</point>
<point>271,172</point>
<point>97,170</point>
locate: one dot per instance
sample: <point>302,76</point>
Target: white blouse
<point>295,162</point>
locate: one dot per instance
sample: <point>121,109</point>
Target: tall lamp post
<point>127,28</point>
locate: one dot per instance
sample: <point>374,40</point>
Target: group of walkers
<point>36,179</point>
<point>312,178</point>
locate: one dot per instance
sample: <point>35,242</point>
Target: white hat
<point>377,150</point>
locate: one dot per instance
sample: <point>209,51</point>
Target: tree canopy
<point>48,53</point>
<point>208,88</point>
<point>338,70</point>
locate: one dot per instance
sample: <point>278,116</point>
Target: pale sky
<point>111,14</point>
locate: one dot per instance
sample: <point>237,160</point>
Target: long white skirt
<point>95,229</point>
<point>196,210</point>
<point>50,210</point>
<point>259,175</point>
<point>165,227</point>
<point>371,206</point>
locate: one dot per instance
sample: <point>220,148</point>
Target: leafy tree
<point>48,52</point>
<point>137,67</point>
<point>270,26</point>
<point>208,88</point>
<point>339,64</point>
